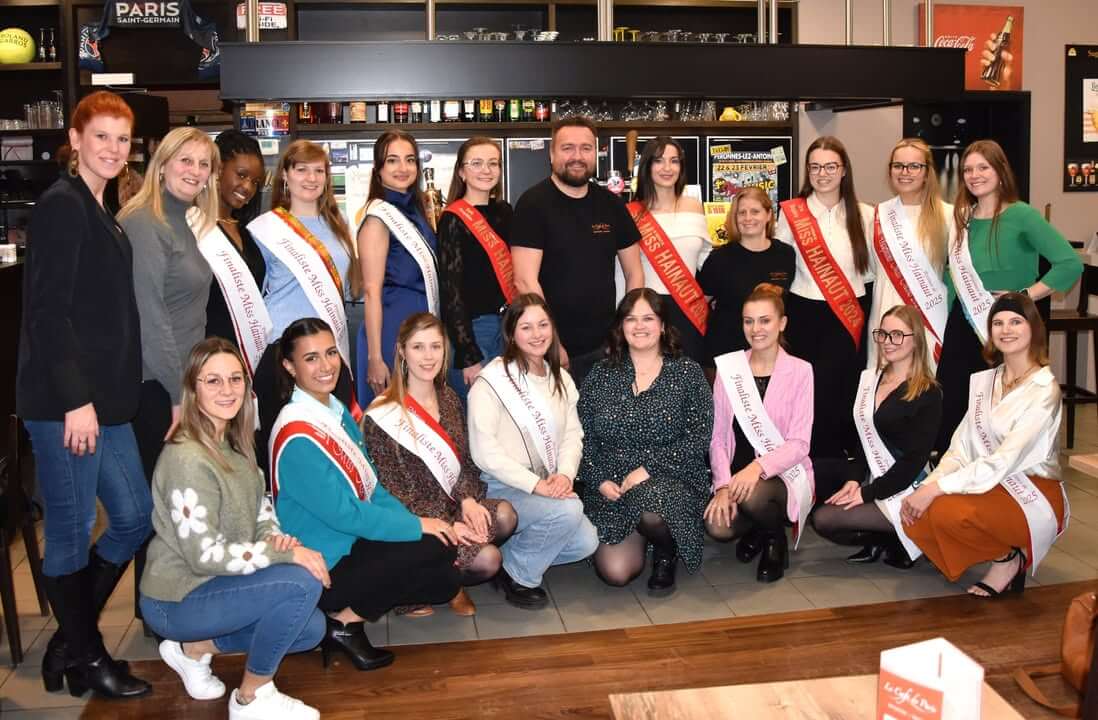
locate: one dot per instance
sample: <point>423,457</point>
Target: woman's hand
<point>610,490</point>
<point>476,516</point>
<point>467,535</point>
<point>177,412</point>
<point>81,430</point>
<point>720,509</point>
<point>916,503</point>
<point>377,375</point>
<point>988,56</point>
<point>634,478</point>
<point>440,529</point>
<point>743,483</point>
<point>312,561</point>
<point>849,496</point>
<point>282,543</point>
<point>470,373</point>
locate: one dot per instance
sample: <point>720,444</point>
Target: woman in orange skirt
<point>996,494</point>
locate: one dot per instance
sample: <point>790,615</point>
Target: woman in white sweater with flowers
<point>221,576</point>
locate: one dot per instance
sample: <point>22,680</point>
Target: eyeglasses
<point>216,382</point>
<point>480,165</point>
<point>825,169</point>
<point>911,167</point>
<point>896,337</point>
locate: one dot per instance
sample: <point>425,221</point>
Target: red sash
<point>829,278</point>
<point>326,442</point>
<point>498,252</point>
<point>420,412</point>
<point>669,265</point>
<point>303,232</point>
<point>888,262</point>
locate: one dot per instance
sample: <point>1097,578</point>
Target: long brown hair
<point>304,151</point>
<point>1038,340</point>
<point>381,149</point>
<point>772,294</point>
<point>511,352</point>
<point>398,381</point>
<point>731,229</point>
<point>854,227</point>
<point>1007,192</point>
<point>646,186</point>
<point>922,377</point>
<point>195,425</point>
<point>617,347</point>
<point>932,226</point>
<point>457,184</point>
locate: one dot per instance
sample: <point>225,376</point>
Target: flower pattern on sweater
<point>187,513</point>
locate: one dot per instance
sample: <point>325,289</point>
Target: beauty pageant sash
<point>499,254</point>
<point>408,235</point>
<point>416,431</point>
<point>527,408</point>
<point>970,288</point>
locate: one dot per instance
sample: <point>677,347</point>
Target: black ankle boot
<point>105,577</point>
<point>774,559</point>
<point>351,640</point>
<point>895,555</point>
<point>749,546</point>
<point>868,554</point>
<point>664,565</point>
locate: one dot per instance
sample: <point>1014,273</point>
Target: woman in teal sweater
<point>379,555</point>
<point>999,241</point>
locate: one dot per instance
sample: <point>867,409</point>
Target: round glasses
<point>912,168</point>
<point>216,382</point>
<point>896,337</point>
<point>825,169</point>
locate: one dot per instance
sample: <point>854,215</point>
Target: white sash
<point>302,419</point>
<point>419,438</point>
<point>747,405</point>
<point>527,408</point>
<point>409,236</point>
<point>251,321</point>
<point>922,282</point>
<point>310,272</point>
<point>878,456</point>
<point>1044,528</point>
<point>969,287</point>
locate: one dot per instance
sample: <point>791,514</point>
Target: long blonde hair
<point>398,381</point>
<point>932,227</point>
<point>922,377</point>
<point>193,423</point>
<point>304,151</point>
<point>151,193</point>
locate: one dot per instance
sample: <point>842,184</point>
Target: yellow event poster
<point>715,214</point>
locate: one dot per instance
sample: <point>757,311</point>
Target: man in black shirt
<point>565,236</point>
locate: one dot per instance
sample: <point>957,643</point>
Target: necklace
<point>231,221</point>
<point>638,374</point>
<point>1009,385</point>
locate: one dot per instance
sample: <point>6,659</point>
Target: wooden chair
<point>1071,323</point>
<point>17,513</point>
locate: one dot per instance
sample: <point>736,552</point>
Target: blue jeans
<point>488,334</point>
<point>267,614</point>
<point>551,531</point>
<point>69,485</point>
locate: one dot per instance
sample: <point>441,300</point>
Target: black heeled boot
<point>105,577</point>
<point>88,666</point>
<point>774,559</point>
<point>749,546</point>
<point>664,564</point>
<point>351,640</point>
<point>895,555</point>
<point>868,554</point>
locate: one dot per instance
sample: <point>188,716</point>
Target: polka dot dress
<point>666,429</point>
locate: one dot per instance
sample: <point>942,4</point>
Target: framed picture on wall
<point>1080,166</point>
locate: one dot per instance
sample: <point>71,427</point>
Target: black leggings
<point>764,511</point>
<point>622,563</point>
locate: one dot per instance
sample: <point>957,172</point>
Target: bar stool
<point>1071,323</point>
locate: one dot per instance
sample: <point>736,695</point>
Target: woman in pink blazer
<point>762,478</point>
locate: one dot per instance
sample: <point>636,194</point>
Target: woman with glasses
<point>896,412</point>
<point>910,233</point>
<point>830,294</point>
<point>476,278</point>
<point>996,249</point>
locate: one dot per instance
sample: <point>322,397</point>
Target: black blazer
<point>908,429</point>
<point>80,338</point>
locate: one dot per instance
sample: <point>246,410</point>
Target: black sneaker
<point>521,596</point>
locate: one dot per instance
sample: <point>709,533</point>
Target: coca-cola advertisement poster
<point>1080,170</point>
<point>992,37</point>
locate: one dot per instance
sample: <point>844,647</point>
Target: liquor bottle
<point>451,111</point>
<point>469,110</point>
<point>41,44</point>
<point>541,111</point>
<point>432,198</point>
<point>358,112</point>
<point>499,110</point>
<point>383,111</point>
<point>528,107</point>
<point>305,114</point>
<point>417,111</point>
<point>52,50</point>
<point>484,110</point>
<point>436,111</point>
<point>514,109</point>
<point>993,73</point>
<point>400,111</point>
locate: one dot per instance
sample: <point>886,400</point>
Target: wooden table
<point>852,697</point>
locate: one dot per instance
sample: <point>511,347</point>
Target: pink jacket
<point>788,401</point>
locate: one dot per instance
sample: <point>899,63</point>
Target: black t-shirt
<point>729,275</point>
<point>579,239</point>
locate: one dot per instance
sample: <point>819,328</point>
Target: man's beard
<point>572,180</point>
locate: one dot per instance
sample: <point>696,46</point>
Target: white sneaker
<point>270,704</point>
<point>198,679</point>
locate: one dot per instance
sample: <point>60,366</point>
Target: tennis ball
<point>16,46</point>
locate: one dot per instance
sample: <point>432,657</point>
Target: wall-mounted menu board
<point>526,164</point>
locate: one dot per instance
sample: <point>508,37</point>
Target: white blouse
<point>689,233</point>
<point>832,224</point>
<point>1025,424</point>
<point>498,446</point>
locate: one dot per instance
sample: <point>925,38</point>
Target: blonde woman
<point>909,241</point>
<point>171,278</point>
<point>896,412</point>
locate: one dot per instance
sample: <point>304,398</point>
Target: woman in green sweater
<point>221,576</point>
<point>327,492</point>
<point>999,240</point>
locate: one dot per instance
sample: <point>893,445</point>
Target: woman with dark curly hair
<point>647,415</point>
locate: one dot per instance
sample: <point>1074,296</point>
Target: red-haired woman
<point>77,390</point>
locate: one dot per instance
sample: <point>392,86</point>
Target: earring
<point>74,162</point>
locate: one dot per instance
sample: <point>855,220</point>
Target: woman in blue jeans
<point>221,576</point>
<point>77,390</point>
<point>525,435</point>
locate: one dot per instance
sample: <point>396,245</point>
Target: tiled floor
<point>817,578</point>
